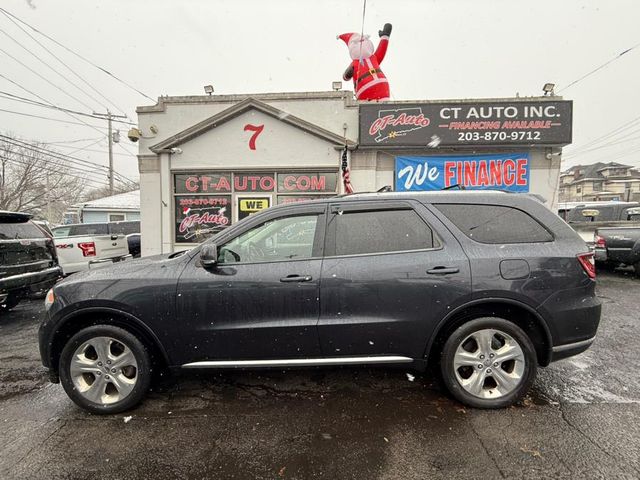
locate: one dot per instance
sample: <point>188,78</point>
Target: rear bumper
<point>570,349</point>
<point>573,317</point>
<point>600,255</point>
<point>39,279</point>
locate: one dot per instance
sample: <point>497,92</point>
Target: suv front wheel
<point>105,369</point>
<point>488,363</point>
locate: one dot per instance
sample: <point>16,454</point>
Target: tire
<point>636,268</point>
<point>85,361</point>
<point>470,373</point>
<point>10,302</point>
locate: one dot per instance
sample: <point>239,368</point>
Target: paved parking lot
<point>580,421</point>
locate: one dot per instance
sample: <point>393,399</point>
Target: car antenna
<point>457,186</point>
<point>385,189</point>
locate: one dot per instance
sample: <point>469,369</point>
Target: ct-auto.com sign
<point>460,124</point>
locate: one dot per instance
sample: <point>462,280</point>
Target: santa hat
<point>345,37</point>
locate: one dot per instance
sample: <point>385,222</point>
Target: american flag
<point>346,177</point>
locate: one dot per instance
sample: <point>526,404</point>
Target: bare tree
<point>102,192</point>
<point>34,182</point>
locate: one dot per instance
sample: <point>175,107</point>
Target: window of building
<point>117,217</point>
<point>289,238</point>
<point>578,189</point>
<point>380,231</point>
<point>597,186</point>
<point>495,224</point>
<point>208,202</point>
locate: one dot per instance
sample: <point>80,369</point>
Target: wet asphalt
<point>581,419</point>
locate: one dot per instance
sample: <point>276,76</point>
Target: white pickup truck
<point>85,246</point>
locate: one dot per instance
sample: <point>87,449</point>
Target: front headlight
<point>49,299</point>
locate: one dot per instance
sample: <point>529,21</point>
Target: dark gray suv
<point>488,285</point>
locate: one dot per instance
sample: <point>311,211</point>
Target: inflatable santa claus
<point>368,80</point>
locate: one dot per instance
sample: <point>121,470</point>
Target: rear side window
<point>10,231</point>
<point>380,231</point>
<point>495,224</point>
<point>125,228</point>
<point>89,229</point>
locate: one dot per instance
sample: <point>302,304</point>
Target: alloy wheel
<point>104,370</point>
<point>489,364</point>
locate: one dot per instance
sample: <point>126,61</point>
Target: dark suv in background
<point>487,285</point>
<point>28,261</point>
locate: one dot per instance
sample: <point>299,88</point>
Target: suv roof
<point>13,217</point>
<point>453,196</point>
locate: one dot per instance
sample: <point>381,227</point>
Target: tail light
<point>588,264</point>
<point>88,249</point>
<point>599,241</point>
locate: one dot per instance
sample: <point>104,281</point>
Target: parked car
<point>586,217</point>
<point>488,285</point>
<point>132,231</point>
<point>618,246</point>
<point>28,261</point>
<point>85,246</point>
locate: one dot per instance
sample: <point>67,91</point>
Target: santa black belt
<point>369,73</point>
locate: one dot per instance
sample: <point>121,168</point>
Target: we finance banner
<point>508,172</point>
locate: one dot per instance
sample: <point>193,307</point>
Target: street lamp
<point>208,89</point>
<point>548,89</point>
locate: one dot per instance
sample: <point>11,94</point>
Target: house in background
<point>600,182</point>
<point>117,208</point>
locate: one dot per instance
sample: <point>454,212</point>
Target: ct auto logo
<point>397,123</point>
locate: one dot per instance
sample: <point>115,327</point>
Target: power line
<point>600,67</point>
<point>53,170</point>
<point>44,78</point>
<point>18,98</point>
<point>51,68</point>
<point>91,173</point>
<point>50,103</point>
<point>72,141</point>
<point>612,133</point>
<point>63,63</point>
<point>73,160</point>
<point>612,144</point>
<point>44,118</point>
<point>84,149</point>
<point>91,149</point>
<point>78,55</point>
<point>111,169</point>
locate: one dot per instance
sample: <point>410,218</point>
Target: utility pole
<point>109,116</point>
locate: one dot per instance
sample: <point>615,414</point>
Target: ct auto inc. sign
<point>466,124</point>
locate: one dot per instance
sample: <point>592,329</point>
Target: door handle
<point>296,278</point>
<point>443,270</point>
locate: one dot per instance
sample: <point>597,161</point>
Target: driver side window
<point>288,238</point>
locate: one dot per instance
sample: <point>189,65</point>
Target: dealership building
<point>207,162</point>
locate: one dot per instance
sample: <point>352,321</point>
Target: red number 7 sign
<point>253,128</point>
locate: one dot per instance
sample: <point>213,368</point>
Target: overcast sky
<point>439,49</point>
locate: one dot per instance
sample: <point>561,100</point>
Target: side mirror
<point>209,255</point>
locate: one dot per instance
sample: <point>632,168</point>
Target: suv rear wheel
<point>105,369</point>
<point>488,363</point>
